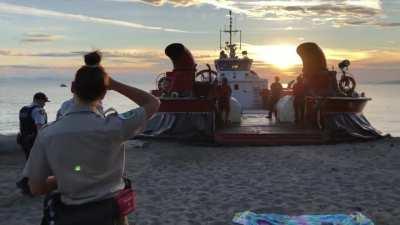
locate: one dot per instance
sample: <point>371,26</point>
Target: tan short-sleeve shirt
<point>84,151</point>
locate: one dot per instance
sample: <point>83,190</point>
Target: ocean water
<point>17,90</point>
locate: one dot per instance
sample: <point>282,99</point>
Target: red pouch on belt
<point>125,199</point>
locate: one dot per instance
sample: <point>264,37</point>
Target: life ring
<point>174,94</point>
<point>347,85</point>
<point>206,76</point>
<point>164,84</point>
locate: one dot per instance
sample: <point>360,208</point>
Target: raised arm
<point>140,97</point>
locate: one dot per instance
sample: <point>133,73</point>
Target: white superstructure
<point>246,85</point>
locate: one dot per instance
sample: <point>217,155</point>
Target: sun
<point>282,56</point>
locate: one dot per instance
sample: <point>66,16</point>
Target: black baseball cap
<point>41,96</point>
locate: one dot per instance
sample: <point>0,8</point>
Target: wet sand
<point>187,184</point>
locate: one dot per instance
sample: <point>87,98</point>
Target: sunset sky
<point>50,35</point>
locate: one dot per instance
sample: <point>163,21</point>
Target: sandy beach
<point>184,184</point>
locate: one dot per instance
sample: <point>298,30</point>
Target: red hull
<point>317,107</point>
<point>186,105</point>
<point>256,129</point>
<point>269,136</point>
<point>336,104</point>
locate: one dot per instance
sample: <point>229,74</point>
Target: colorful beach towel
<point>250,218</point>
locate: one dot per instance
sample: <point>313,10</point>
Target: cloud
<point>30,11</point>
<point>387,24</point>
<point>112,58</point>
<point>39,54</point>
<point>40,37</point>
<point>224,4</point>
<point>5,52</point>
<point>353,55</point>
<point>30,67</point>
<point>323,10</point>
<point>162,2</point>
<point>337,12</point>
<point>360,22</point>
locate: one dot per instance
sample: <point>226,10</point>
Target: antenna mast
<point>230,45</point>
<point>220,39</point>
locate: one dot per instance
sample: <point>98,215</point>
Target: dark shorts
<point>104,212</point>
<point>26,143</point>
<point>272,102</point>
<point>299,100</point>
<point>224,105</point>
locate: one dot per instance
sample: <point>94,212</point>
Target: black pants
<point>97,213</point>
<point>104,212</point>
<point>299,105</point>
<point>272,101</point>
<point>26,143</point>
<point>27,151</point>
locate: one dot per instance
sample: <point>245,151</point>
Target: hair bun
<point>93,58</point>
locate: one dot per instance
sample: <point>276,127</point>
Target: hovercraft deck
<point>256,129</point>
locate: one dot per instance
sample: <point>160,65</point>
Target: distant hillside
<point>390,82</point>
<point>394,82</point>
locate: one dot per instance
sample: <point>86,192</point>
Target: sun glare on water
<point>280,56</point>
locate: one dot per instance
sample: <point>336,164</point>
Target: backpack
<point>27,126</point>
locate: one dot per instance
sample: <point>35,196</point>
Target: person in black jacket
<point>299,100</point>
<point>31,119</point>
<point>275,95</point>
